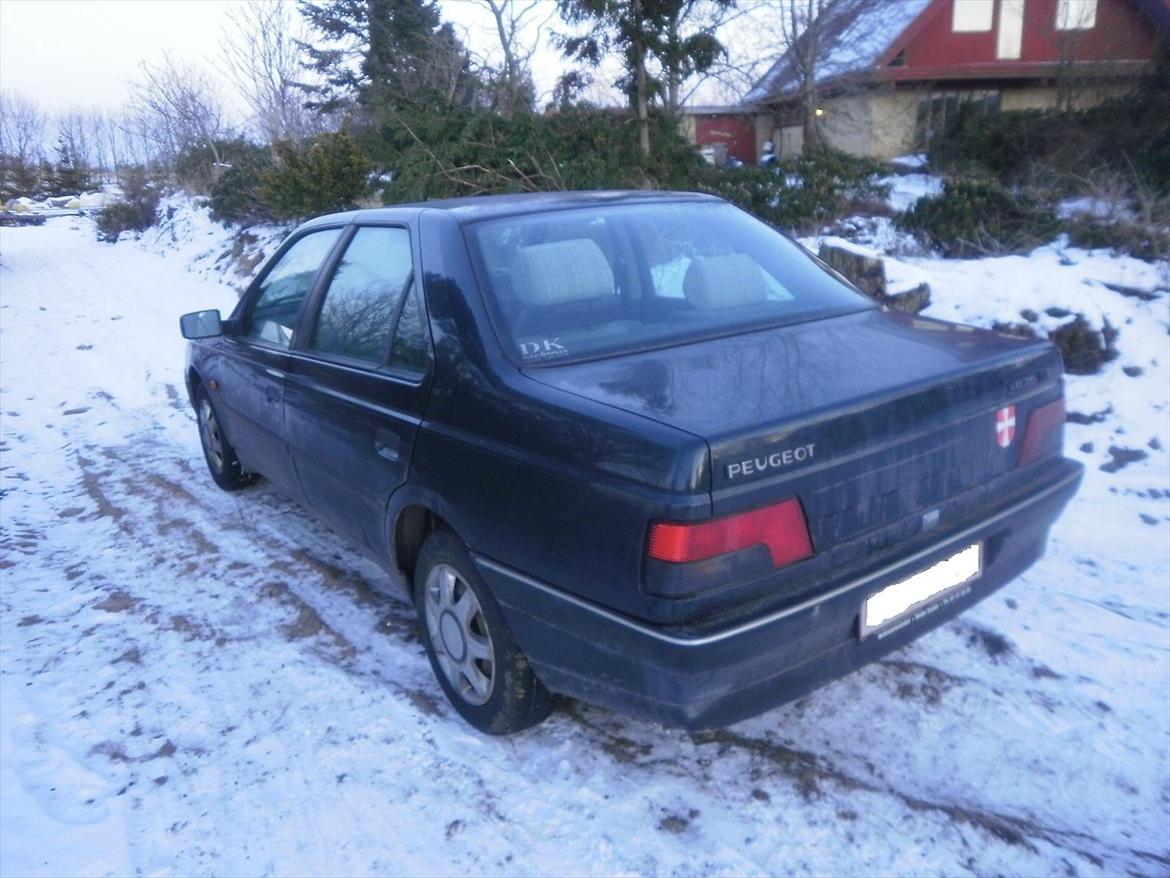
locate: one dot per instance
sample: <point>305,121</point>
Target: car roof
<point>481,207</point>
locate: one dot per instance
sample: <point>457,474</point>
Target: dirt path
<point>197,682</point>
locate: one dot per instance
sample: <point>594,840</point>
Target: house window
<point>940,112</point>
<point>972,16</point>
<point>1076,14</point>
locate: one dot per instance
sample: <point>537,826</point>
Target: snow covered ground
<point>193,682</point>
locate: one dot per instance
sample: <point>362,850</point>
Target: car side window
<point>364,294</point>
<point>275,311</point>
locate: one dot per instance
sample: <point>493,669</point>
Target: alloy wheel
<point>459,634</point>
<point>209,433</point>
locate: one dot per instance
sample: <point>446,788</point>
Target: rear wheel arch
<point>413,524</point>
<point>472,650</point>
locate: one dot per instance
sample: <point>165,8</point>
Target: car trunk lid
<point>866,418</point>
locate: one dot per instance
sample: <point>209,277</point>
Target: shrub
<point>463,152</point>
<point>1019,330</point>
<point>18,178</point>
<point>1129,135</point>
<point>236,196</point>
<point>137,211</point>
<point>197,168</point>
<point>1085,350</point>
<point>327,175</point>
<point>801,193</point>
<point>972,218</point>
<point>1137,239</point>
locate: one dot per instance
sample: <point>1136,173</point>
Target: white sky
<point>78,54</point>
<point>81,54</point>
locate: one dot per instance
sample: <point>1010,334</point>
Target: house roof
<point>859,32</point>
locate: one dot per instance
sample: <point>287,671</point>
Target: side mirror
<point>201,324</point>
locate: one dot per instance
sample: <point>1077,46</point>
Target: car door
<point>256,357</point>
<point>357,381</point>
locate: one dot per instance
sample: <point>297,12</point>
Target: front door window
<point>274,314</point>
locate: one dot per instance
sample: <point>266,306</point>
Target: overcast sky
<point>77,54</point>
<point>81,54</point>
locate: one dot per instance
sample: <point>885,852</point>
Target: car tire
<point>482,670</point>
<point>222,462</point>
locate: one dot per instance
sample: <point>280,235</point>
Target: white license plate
<point>921,592</point>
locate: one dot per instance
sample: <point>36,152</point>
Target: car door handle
<point>386,443</point>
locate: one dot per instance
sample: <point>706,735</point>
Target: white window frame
<point>972,16</point>
<point>1076,14</point>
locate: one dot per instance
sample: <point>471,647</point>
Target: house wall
<point>789,140</point>
<point>848,123</point>
<point>895,122</point>
<point>1046,97</point>
<point>1121,32</point>
<point>884,124</point>
<point>766,130</point>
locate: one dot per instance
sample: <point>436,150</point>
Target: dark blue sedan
<point>635,448</point>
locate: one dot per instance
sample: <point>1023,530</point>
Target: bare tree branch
<point>176,107</point>
<point>262,55</point>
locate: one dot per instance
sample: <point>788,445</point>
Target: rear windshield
<point>579,284</point>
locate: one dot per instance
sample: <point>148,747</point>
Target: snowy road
<point>193,682</point>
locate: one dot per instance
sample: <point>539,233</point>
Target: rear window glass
<point>584,283</point>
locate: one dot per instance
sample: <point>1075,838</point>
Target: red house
<point>887,74</point>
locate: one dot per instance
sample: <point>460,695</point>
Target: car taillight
<point>1042,423</point>
<point>779,528</point>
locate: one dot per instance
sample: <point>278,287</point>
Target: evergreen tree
<point>403,52</point>
<point>641,31</point>
<point>71,174</point>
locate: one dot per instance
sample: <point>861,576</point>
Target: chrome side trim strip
<point>745,627</point>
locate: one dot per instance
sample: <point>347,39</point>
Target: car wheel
<point>222,462</point>
<point>472,651</point>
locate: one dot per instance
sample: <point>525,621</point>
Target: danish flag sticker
<point>1005,426</point>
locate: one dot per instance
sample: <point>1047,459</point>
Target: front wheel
<point>476,659</point>
<point>222,462</point>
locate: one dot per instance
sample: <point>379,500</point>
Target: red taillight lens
<point>1041,423</point>
<point>781,528</point>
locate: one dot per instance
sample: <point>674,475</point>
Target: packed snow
<point>906,189</point>
<point>193,682</point>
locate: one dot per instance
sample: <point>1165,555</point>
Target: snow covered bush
<point>973,218</point>
<point>136,211</point>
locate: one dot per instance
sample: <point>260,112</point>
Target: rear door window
<point>365,297</point>
<point>277,307</point>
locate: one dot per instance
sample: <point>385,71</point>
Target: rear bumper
<point>720,677</point>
